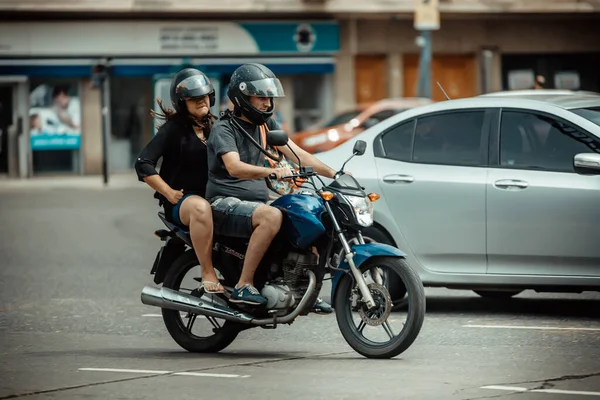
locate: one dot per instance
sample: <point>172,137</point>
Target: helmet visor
<point>270,87</point>
<point>194,86</point>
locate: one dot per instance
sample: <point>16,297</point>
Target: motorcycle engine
<point>294,267</point>
<point>279,297</point>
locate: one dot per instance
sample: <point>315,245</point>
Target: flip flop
<point>218,284</point>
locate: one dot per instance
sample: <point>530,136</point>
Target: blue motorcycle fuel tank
<point>301,218</point>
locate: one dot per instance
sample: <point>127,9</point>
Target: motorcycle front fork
<point>358,276</point>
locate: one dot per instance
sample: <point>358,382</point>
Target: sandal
<point>219,289</point>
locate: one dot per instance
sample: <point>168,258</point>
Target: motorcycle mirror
<point>359,147</point>
<point>277,138</point>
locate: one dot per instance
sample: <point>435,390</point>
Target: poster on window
<point>55,117</point>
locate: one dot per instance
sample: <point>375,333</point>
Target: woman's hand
<point>174,196</point>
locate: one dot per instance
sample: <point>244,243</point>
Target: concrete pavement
<point>73,262</point>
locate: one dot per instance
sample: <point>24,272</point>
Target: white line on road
<point>151,315</point>
<point>126,371</point>
<point>549,328</point>
<point>157,372</point>
<point>552,391</point>
<point>211,375</point>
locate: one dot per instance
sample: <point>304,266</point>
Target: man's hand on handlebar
<point>283,173</point>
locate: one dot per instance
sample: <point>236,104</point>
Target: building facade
<point>329,54</point>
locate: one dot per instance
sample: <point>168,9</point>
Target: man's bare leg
<point>266,222</point>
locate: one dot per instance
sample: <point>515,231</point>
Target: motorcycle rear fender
<point>165,257</point>
<point>362,252</point>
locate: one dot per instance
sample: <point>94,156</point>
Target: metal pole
<point>424,85</point>
<point>105,96</point>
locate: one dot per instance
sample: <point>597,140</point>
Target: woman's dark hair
<point>168,114</point>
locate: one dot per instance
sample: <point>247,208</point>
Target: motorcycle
<point>320,234</point>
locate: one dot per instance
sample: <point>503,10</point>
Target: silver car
<point>496,193</point>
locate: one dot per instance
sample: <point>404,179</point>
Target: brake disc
<point>380,314</point>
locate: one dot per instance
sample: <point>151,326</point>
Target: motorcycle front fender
<point>362,252</point>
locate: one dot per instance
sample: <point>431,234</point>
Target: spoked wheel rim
<point>186,320</point>
<point>398,293</point>
<point>384,325</point>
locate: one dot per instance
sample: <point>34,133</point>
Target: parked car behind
<point>347,124</point>
<point>496,194</point>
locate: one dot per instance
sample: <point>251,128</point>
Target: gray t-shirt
<point>224,138</point>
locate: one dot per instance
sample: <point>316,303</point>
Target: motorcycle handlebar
<point>301,176</point>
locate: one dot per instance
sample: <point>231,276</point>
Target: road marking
<point>552,391</point>
<point>510,388</point>
<point>126,371</point>
<point>211,375</point>
<point>158,372</point>
<point>151,315</point>
<point>548,328</point>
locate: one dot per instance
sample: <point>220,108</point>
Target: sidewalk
<point>120,180</point>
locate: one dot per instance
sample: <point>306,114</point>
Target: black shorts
<point>232,217</point>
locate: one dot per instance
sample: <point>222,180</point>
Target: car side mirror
<point>359,147</point>
<point>587,161</point>
<point>277,138</point>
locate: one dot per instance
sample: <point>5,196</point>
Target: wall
<point>515,35</point>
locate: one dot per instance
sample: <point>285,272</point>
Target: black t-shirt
<point>225,138</point>
<point>184,164</point>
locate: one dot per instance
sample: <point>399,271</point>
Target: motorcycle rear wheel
<point>221,338</point>
<point>415,316</point>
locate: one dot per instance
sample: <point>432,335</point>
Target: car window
<point>591,113</point>
<point>397,142</point>
<point>340,119</point>
<point>449,138</point>
<point>534,141</point>
<point>383,115</point>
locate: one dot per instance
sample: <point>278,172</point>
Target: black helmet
<point>189,83</point>
<point>253,80</point>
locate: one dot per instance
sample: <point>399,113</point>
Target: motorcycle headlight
<point>363,209</point>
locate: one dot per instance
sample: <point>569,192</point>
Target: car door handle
<point>510,183</point>
<point>398,178</point>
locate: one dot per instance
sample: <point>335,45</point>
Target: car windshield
<point>591,113</point>
<point>338,119</point>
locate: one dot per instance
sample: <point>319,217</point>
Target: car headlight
<point>363,209</point>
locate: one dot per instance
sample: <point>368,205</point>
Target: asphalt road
<point>74,259</point>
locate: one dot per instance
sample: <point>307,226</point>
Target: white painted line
<point>151,315</point>
<point>126,371</point>
<point>553,391</point>
<point>558,391</point>
<point>510,388</point>
<point>548,328</point>
<point>211,375</point>
<point>158,372</point>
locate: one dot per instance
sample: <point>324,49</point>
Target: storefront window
<point>55,125</point>
<point>131,103</point>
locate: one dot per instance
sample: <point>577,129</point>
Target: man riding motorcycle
<point>236,188</point>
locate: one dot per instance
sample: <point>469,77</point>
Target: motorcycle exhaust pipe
<point>174,300</point>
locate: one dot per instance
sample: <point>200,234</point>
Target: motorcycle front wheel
<point>180,324</point>
<point>354,319</point>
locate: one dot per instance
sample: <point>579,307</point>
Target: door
<point>431,174</point>
<point>14,123</point>
<point>543,217</point>
<point>456,74</point>
<point>6,121</point>
<point>370,78</point>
